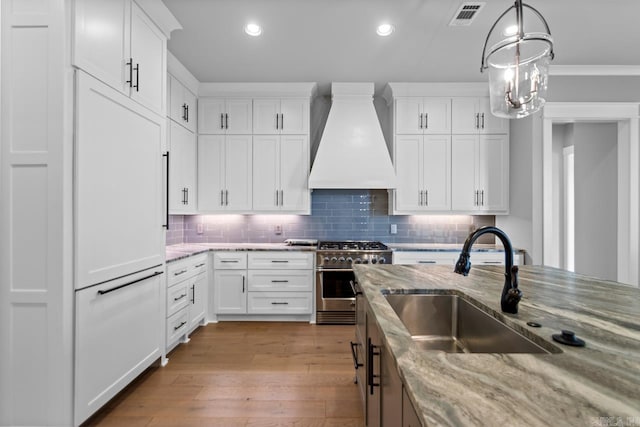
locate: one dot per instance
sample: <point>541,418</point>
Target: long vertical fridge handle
<point>166,225</point>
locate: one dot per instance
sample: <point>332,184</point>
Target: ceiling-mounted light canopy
<point>518,67</point>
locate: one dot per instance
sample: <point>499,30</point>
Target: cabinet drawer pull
<point>426,262</point>
<point>130,65</point>
<point>177,273</point>
<point>193,294</point>
<point>167,193</point>
<point>371,376</point>
<point>492,262</point>
<point>280,260</point>
<point>354,355</point>
<point>279,281</point>
<point>187,112</point>
<point>229,260</point>
<point>482,120</point>
<point>221,121</point>
<point>200,265</point>
<point>279,303</point>
<point>243,279</point>
<point>175,328</point>
<point>137,85</point>
<point>226,121</point>
<point>180,297</point>
<point>155,273</point>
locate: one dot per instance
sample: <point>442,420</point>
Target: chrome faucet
<point>511,295</point>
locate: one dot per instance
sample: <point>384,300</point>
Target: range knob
<point>374,260</point>
<point>334,259</point>
<point>381,260</point>
<point>349,260</point>
<point>326,259</point>
<point>341,259</point>
<point>365,261</point>
<point>357,261</point>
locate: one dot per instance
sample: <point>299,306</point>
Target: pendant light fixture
<point>518,67</point>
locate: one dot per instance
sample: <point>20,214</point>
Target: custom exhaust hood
<point>352,153</point>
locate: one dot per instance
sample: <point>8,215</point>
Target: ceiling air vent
<point>466,13</point>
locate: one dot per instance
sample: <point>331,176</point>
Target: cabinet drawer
<point>183,269</point>
<point>425,258</point>
<point>281,281</point>
<point>177,325</point>
<point>279,302</point>
<point>230,260</point>
<point>177,297</point>
<point>284,260</point>
<point>117,337</point>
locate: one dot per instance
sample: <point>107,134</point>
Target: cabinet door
<point>148,50</point>
<point>240,117</point>
<point>488,122</point>
<point>493,170</point>
<point>118,185</point>
<point>211,116</point>
<point>408,116</point>
<point>265,116</point>
<point>230,292</point>
<point>191,101</point>
<point>102,40</point>
<point>118,335</point>
<point>437,115</point>
<point>294,119</point>
<point>294,173</point>
<point>176,105</point>
<point>465,115</point>
<point>182,173</point>
<point>198,298</point>
<point>211,172</point>
<point>238,172</point>
<point>464,155</point>
<point>266,167</point>
<point>408,163</point>
<point>436,170</point>
<point>374,349</point>
<point>409,415</point>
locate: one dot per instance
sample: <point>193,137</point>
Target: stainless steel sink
<point>454,325</point>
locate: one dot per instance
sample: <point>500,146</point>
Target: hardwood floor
<point>254,374</point>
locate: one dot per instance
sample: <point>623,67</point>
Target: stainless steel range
<point>335,287</point>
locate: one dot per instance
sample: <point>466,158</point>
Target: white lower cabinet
<point>186,298</point>
<point>450,257</point>
<point>263,282</point>
<point>117,337</point>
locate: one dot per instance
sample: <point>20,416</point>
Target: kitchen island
<point>596,385</point>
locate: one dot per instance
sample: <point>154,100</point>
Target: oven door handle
<point>353,288</point>
<point>337,270</point>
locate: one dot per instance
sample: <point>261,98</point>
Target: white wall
<point>596,199</point>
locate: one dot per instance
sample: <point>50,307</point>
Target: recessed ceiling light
<point>385,30</point>
<point>253,29</point>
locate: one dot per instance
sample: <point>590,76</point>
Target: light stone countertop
<point>578,387</point>
<point>185,250</point>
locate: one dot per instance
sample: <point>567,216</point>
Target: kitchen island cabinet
<point>572,384</point>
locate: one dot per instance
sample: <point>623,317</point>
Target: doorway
<point>605,184</point>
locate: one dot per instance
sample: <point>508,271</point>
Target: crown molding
<point>594,70</point>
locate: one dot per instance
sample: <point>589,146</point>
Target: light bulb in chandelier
<point>518,68</point>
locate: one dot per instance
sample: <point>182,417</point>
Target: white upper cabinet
<point>182,169</point>
<point>220,116</point>
<point>480,173</point>
<point>224,173</point>
<point>428,115</point>
<point>116,42</point>
<point>424,174</point>
<point>280,173</point>
<point>182,104</point>
<point>472,115</point>
<point>280,116</point>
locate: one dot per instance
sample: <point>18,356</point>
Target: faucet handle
<point>514,277</point>
<point>463,265</point>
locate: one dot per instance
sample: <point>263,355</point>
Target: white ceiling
<point>334,40</point>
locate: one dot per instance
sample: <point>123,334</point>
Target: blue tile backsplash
<point>335,215</point>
